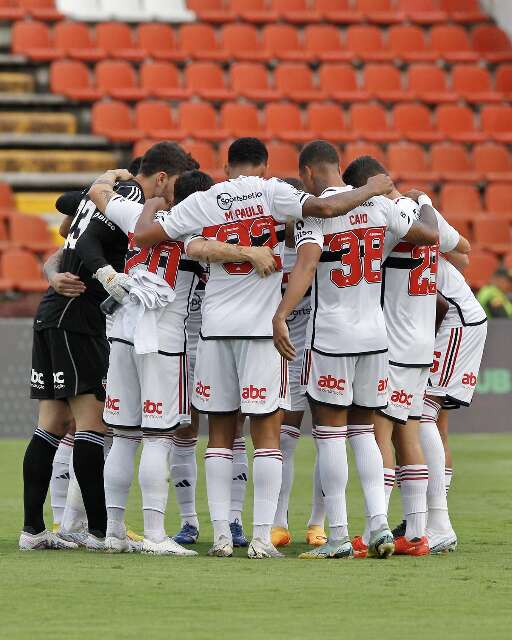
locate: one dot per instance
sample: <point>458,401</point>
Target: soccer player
<point>147,385</point>
<point>408,299</point>
<point>345,362</point>
<point>238,368</point>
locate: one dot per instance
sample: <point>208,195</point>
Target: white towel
<point>149,296</point>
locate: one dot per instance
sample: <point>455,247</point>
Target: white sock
<point>333,466</point>
<point>289,439</point>
<point>183,465</point>
<point>318,507</point>
<point>413,487</point>
<point>74,517</point>
<point>389,483</point>
<point>239,482</point>
<point>118,475</point>
<point>107,442</point>
<point>218,466</point>
<point>267,471</point>
<point>60,477</point>
<point>448,475</point>
<point>153,480</point>
<point>377,522</point>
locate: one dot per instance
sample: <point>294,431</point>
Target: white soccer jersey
<point>249,211</point>
<point>464,308</point>
<point>409,292</point>
<point>166,259</point>
<point>346,317</point>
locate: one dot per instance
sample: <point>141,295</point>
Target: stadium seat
<point>34,40</point>
<point>460,199</point>
<point>296,11</point>
<point>282,41</point>
<point>452,161</point>
<point>492,233</point>
<point>22,271</point>
<point>154,119</point>
<point>464,11</point>
<point>480,269</point>
<point>427,187</point>
<point>118,41</point>
<point>115,121</point>
<point>205,154</point>
<point>339,81</point>
<point>423,11</point>
<point>323,43</point>
<point>384,82</point>
<point>338,11</point>
<point>206,79</point>
<point>75,38</point>
<point>10,10</point>
<point>283,120</point>
<point>41,9</point>
<point>165,11</point>
<point>159,41</point>
<point>251,80</point>
<point>256,11</point>
<point>242,42</point>
<point>503,77</point>
<point>498,199</point>
<point>492,42</point>
<point>118,79</point>
<point>407,161</point>
<point>241,120</point>
<point>365,42</point>
<point>199,120</point>
<point>408,43</point>
<point>4,236</point>
<point>199,41</point>
<point>452,43</point>
<point>162,80</point>
<point>327,121</point>
<point>507,262</point>
<point>463,226</point>
<point>370,122</point>
<point>282,159</point>
<point>496,122</point>
<point>295,81</point>
<point>474,84</point>
<point>414,122</point>
<point>457,122</point>
<point>30,232</point>
<point>379,11</point>
<point>355,149</point>
<point>493,160</point>
<point>7,202</point>
<point>211,10</point>
<point>87,10</point>
<point>72,79</point>
<point>428,83</point>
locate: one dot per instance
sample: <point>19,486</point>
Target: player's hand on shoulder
<point>262,259</point>
<point>380,184</point>
<point>413,194</point>
<point>158,203</point>
<point>67,284</point>
<point>121,175</point>
<point>113,282</point>
<point>282,338</point>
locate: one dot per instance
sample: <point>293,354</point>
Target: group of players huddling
<point>264,295</point>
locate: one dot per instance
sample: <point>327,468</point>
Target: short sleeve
<point>124,213</point>
<point>309,230</point>
<point>398,221</point>
<point>285,201</point>
<point>448,236</point>
<point>183,219</point>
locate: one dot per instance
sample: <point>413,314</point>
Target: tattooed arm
<point>102,189</point>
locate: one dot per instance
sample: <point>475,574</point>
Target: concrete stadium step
<point>21,100</point>
<point>53,141</point>
<point>13,82</point>
<point>50,161</point>
<point>54,180</point>
<point>37,122</point>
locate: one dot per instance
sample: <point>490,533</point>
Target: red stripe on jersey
<point>456,353</point>
<point>446,357</point>
<point>403,247</point>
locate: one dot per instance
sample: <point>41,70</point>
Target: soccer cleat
<point>120,545</point>
<point>441,542</point>
<point>238,535</point>
<point>337,549</point>
<point>167,547</point>
<point>78,537</point>
<point>94,543</point>
<point>399,530</point>
<point>188,534</point>
<point>280,536</point>
<point>381,544</point>
<point>44,540</point>
<point>315,535</point>
<point>360,548</point>
<point>258,550</point>
<point>222,548</point>
<point>134,537</point>
<point>414,547</point>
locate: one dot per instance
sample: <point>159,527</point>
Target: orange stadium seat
<point>7,202</point>
<point>339,81</point>
<point>114,120</point>
<point>370,122</point>
<point>210,10</point>
<point>41,9</point>
<point>503,77</point>
<point>423,11</point>
<point>408,43</point>
<point>492,233</point>
<point>464,10</point>
<point>481,267</point>
<point>282,159</point>
<point>379,11</point>
<point>355,149</point>
<point>474,84</point>
<point>493,160</point>
<point>4,236</point>
<point>199,120</point>
<point>154,119</point>
<point>457,122</point>
<point>72,79</point>
<point>492,42</point>
<point>428,83</point>
<point>162,80</point>
<point>22,271</point>
<point>338,11</point>
<point>256,11</point>
<point>407,161</point>
<point>118,79</point>
<point>34,40</point>
<point>205,154</point>
<point>453,162</point>
<point>141,146</point>
<point>452,43</point>
<point>327,121</point>
<point>415,123</point>
<point>10,10</point>
<point>241,120</point>
<point>206,79</point>
<point>365,42</point>
<point>283,120</point>
<point>199,41</point>
<point>498,199</point>
<point>30,232</point>
<point>384,81</point>
<point>295,81</point>
<point>460,199</point>
<point>296,11</point>
<point>159,41</point>
<point>242,42</point>
<point>496,122</point>
<point>251,80</point>
<point>282,41</point>
<point>118,41</point>
<point>75,38</point>
<point>323,43</point>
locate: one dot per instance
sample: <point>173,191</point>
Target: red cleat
<point>414,547</point>
<point>360,548</point>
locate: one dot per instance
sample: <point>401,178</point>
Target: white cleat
<point>118,545</point>
<point>258,550</point>
<point>441,542</point>
<point>93,543</point>
<point>222,548</point>
<point>167,547</point>
<point>78,537</point>
<point>44,540</point>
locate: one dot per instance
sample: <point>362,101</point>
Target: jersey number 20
<point>165,255</point>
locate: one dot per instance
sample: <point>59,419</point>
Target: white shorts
<point>345,380</point>
<point>249,375</point>
<point>457,355</point>
<point>150,391</point>
<point>406,390</point>
<point>297,326</point>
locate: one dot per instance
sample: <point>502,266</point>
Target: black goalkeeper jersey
<point>93,241</point>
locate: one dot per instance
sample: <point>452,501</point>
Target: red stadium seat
<point>256,11</point>
<point>498,199</point>
<point>493,161</point>
<point>296,11</point>
<point>323,43</point>
<point>251,80</point>
<point>380,11</point>
<point>414,122</point>
<point>282,159</point>
<point>460,199</point>
<point>34,40</point>
<point>369,121</point>
<point>458,123</point>
<point>72,79</point>
<point>75,38</point>
<point>366,43</point>
<point>10,10</point>
<point>338,11</point>
<point>41,9</point>
<point>474,84</point>
<point>118,41</point>
<point>283,120</point>
<point>162,80</point>
<point>295,81</point>
<point>154,118</point>
<point>30,232</point>
<point>496,122</point>
<point>282,41</point>
<point>327,121</point>
<point>205,154</point>
<point>452,162</point>
<point>141,146</point>
<point>242,42</point>
<point>159,41</point>
<point>423,11</point>
<point>481,267</point>
<point>7,202</point>
<point>199,120</point>
<point>114,120</point>
<point>4,237</point>
<point>339,81</point>
<point>119,80</point>
<point>503,76</point>
<point>241,120</point>
<point>210,10</point>
<point>384,81</point>
<point>492,233</point>
<point>408,43</point>
<point>206,79</point>
<point>407,161</point>
<point>464,11</point>
<point>492,42</point>
<point>22,271</point>
<point>452,43</point>
<point>428,83</point>
<point>199,41</point>
<point>354,150</point>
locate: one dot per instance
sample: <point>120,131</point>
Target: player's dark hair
<point>248,151</point>
<point>134,166</point>
<point>295,182</point>
<point>190,182</point>
<point>360,169</point>
<point>318,152</point>
<point>168,157</point>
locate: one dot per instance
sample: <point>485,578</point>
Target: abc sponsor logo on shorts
<point>254,394</point>
<point>112,404</point>
<point>58,380</point>
<point>331,384</point>
<point>401,397</point>
<point>152,409</point>
<point>36,380</point>
<point>382,387</point>
<point>203,390</point>
<point>469,379</point>
<point>225,200</point>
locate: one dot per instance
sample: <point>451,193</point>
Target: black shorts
<point>67,364</point>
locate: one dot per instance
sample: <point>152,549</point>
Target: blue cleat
<point>188,534</point>
<point>237,533</point>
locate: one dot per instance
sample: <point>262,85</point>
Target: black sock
<point>37,473</point>
<point>88,463</point>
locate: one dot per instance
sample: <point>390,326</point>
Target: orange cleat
<point>280,537</point>
<point>360,548</point>
<point>414,547</point>
<point>315,535</point>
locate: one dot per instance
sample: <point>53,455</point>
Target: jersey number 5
<point>361,256</point>
<point>165,255</point>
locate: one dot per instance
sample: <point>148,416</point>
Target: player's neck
<point>393,195</point>
<point>329,179</point>
<point>244,170</point>
<point>145,185</point>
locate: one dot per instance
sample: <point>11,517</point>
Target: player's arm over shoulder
<point>423,231</point>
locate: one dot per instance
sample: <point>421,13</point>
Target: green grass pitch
<point>466,595</point>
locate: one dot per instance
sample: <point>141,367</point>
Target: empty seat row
<point>339,81</point>
<point>127,10</point>
<point>245,42</point>
<point>29,232</point>
<point>39,9</point>
<point>20,270</point>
